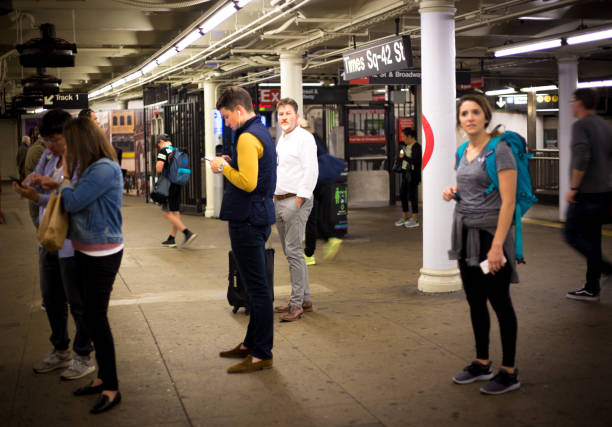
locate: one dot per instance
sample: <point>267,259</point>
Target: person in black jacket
<point>410,168</point>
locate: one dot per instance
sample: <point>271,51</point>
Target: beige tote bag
<point>53,228</point>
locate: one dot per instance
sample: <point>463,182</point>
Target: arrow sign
<point>500,102</point>
<point>48,100</point>
<point>66,100</point>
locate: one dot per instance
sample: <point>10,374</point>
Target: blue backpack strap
<point>490,163</point>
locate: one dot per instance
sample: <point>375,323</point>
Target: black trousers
<point>98,275</point>
<point>409,192</point>
<point>583,233</point>
<point>495,288</point>
<point>60,287</point>
<point>319,220</point>
<point>249,247</point>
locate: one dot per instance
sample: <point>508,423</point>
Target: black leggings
<point>409,192</point>
<point>479,288</point>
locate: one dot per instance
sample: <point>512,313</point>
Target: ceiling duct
<point>41,83</point>
<point>47,51</point>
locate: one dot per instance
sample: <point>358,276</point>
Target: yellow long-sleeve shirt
<point>249,150</point>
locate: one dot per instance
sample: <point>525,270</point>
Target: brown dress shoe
<point>294,313</point>
<point>236,352</point>
<point>247,365</point>
<point>307,306</point>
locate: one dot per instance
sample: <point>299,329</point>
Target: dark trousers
<point>409,192</point>
<point>248,244</point>
<point>319,220</point>
<point>97,274</point>
<point>583,233</point>
<point>59,287</point>
<point>479,288</point>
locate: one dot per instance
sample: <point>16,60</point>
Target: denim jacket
<point>94,204</point>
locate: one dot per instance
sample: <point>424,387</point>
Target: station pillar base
<point>439,281</point>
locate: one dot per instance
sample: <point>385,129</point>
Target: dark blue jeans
<point>60,287</point>
<point>248,244</point>
<point>583,233</point>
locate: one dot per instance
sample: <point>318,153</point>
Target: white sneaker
<point>400,222</point>
<point>411,223</point>
<point>78,368</point>
<point>52,361</point>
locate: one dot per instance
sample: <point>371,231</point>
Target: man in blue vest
<point>248,207</point>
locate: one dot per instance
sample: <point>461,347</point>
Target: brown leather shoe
<point>294,313</point>
<point>307,306</point>
<point>236,352</point>
<point>247,365</point>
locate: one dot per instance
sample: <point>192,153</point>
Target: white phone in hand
<point>484,266</point>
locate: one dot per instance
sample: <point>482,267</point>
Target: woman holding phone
<point>481,225</point>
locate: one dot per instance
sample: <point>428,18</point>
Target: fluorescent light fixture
<point>535,18</point>
<point>538,88</point>
<point>547,109</point>
<point>189,40</point>
<point>242,3</point>
<point>218,17</point>
<point>274,2</point>
<point>157,104</point>
<point>166,55</point>
<point>599,83</point>
<point>529,47</point>
<point>269,84</point>
<point>380,91</point>
<point>39,110</point>
<point>133,76</point>
<point>590,37</point>
<point>118,83</point>
<point>312,84</point>
<point>149,67</point>
<point>316,84</point>
<point>506,91</point>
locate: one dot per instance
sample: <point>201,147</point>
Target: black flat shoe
<point>103,405</point>
<point>88,389</point>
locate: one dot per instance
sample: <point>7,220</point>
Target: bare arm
<point>159,166</point>
<point>507,191</point>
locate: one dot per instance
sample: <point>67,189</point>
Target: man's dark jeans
<point>583,233</point>
<point>248,244</point>
<point>59,287</point>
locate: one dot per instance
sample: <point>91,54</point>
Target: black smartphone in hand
<point>16,180</point>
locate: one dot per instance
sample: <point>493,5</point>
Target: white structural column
<point>213,203</point>
<point>438,274</point>
<point>568,81</point>
<point>291,78</point>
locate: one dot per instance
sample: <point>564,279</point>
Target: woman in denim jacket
<point>94,205</point>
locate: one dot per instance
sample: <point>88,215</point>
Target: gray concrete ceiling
<point>117,37</point>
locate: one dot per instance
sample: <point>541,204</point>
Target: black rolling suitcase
<point>236,293</point>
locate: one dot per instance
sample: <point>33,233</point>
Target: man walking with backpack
<point>171,207</point>
<point>590,190</point>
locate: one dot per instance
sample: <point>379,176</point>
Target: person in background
<point>94,205</point>
<point>481,231</point>
<point>318,224</point>
<point>590,191</point>
<point>33,155</point>
<point>88,112</point>
<point>248,207</point>
<point>59,285</point>
<point>22,151</point>
<point>410,170</point>
<point>171,208</point>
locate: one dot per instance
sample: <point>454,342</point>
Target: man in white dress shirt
<point>296,177</point>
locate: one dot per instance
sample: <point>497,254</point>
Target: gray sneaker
<point>474,372</point>
<point>502,383</point>
<point>52,361</point>
<point>78,368</point>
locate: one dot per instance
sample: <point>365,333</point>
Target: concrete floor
<point>374,351</point>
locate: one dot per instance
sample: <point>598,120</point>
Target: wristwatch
<point>574,188</point>
<point>221,166</point>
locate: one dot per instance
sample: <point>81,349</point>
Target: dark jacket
<point>256,207</point>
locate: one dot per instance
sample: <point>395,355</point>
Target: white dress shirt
<point>298,169</point>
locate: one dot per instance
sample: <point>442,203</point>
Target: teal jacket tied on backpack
<point>524,191</point>
<point>178,167</point>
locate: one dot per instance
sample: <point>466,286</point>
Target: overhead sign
<point>473,83</point>
<point>518,102</point>
<point>394,53</point>
<point>411,76</point>
<point>269,96</point>
<point>325,95</point>
<point>67,101</point>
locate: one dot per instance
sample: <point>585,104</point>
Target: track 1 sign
<point>67,101</point>
<point>394,53</point>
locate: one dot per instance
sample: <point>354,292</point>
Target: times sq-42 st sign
<point>394,53</point>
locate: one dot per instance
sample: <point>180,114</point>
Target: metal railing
<point>544,170</point>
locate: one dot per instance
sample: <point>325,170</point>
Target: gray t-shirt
<point>473,181</point>
<point>592,153</point>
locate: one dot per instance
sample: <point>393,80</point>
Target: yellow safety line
<point>559,225</point>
